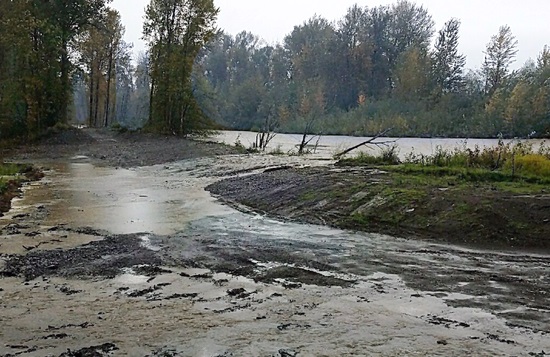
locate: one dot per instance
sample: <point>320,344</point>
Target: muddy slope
<point>109,148</point>
<point>369,200</point>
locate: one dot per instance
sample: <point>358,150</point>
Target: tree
<point>499,54</point>
<point>70,18</point>
<point>354,56</point>
<point>175,31</point>
<point>125,86</point>
<point>379,82</point>
<point>448,63</point>
<point>31,96</point>
<point>101,49</point>
<point>518,110</point>
<point>412,75</point>
<point>139,107</point>
<point>410,26</point>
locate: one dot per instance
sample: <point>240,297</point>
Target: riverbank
<point>12,177</point>
<point>442,208</point>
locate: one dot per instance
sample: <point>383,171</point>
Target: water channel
<point>404,297</point>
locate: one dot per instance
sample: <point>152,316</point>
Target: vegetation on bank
<point>517,162</point>
<point>6,171</point>
<point>12,176</point>
<point>480,196</point>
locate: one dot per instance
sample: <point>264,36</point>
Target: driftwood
<point>370,141</point>
<point>262,139</point>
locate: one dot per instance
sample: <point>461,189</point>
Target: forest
<point>376,68</point>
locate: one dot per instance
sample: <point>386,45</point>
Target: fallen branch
<point>370,141</point>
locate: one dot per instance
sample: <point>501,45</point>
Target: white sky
<point>272,20</point>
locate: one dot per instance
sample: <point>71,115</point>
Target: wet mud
<point>79,277</point>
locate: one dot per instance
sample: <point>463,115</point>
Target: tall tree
<point>499,54</point>
<point>70,19</point>
<point>354,58</point>
<point>378,26</point>
<point>448,63</point>
<point>101,48</point>
<point>115,50</point>
<point>412,75</point>
<point>175,31</point>
<point>410,26</point>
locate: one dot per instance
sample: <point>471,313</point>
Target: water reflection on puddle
<point>121,201</point>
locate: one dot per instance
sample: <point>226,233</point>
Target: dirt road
<point>98,261</point>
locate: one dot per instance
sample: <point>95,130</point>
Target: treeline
<point>376,68</point>
<point>54,56</point>
<point>65,62</point>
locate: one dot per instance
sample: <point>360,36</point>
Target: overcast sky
<point>272,20</point>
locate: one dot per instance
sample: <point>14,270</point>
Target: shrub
<point>9,169</point>
<point>387,156</point>
<point>530,165</point>
<point>117,127</point>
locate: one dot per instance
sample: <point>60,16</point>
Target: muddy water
<point>328,145</point>
<point>337,293</point>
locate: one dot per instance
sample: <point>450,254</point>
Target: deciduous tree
<point>448,63</point>
<point>175,31</point>
<point>499,54</point>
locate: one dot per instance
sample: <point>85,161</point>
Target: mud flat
<point>83,272</point>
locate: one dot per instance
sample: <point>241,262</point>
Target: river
<point>237,283</point>
<point>329,145</point>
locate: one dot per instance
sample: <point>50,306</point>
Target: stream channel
<point>194,277</point>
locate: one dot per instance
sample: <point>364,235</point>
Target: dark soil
<point>367,200</point>
<point>105,147</point>
<point>103,258</point>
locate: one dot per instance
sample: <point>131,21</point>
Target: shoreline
<point>369,200</point>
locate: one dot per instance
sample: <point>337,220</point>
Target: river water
<point>406,298</point>
<point>329,145</point>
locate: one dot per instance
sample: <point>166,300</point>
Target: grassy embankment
<point>7,172</point>
<point>491,196</point>
<point>12,177</point>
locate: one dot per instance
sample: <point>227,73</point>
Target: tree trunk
<point>108,98</point>
<point>65,82</point>
<point>91,94</point>
<point>96,111</point>
<point>370,141</point>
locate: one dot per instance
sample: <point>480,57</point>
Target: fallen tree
<point>371,141</point>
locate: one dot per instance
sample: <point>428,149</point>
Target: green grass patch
<point>9,169</point>
<point>308,196</point>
